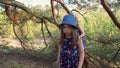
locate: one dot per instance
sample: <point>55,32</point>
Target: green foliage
<point>100,27</point>
<point>97,25</point>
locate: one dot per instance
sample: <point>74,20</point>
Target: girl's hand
<point>79,66</point>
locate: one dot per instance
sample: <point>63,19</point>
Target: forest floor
<point>16,60</point>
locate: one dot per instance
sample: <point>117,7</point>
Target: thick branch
<point>53,12</point>
<point>19,5</point>
<point>46,18</point>
<point>18,38</point>
<point>26,9</point>
<point>110,13</point>
<point>66,9</point>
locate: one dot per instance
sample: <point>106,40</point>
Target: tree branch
<point>53,12</point>
<point>116,54</point>
<point>17,4</point>
<point>66,9</point>
<point>43,35</point>
<point>50,34</point>
<point>26,9</point>
<point>110,13</point>
<point>98,60</point>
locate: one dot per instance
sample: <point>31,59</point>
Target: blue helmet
<point>69,19</point>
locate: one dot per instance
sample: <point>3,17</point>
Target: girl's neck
<point>68,37</point>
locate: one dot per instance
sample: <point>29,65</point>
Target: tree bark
<point>26,9</point>
<point>110,13</point>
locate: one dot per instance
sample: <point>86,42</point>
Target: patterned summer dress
<point>69,57</point>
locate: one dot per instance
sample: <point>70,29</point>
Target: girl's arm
<point>81,50</point>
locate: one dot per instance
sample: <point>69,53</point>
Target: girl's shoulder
<point>79,41</point>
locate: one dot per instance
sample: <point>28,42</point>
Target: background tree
<point>29,23</point>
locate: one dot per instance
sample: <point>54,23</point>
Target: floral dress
<point>69,57</point>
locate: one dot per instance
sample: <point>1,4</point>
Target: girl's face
<point>67,29</point>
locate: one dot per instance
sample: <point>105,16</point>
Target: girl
<point>71,51</point>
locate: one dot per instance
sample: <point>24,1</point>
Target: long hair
<point>79,28</point>
<point>74,36</point>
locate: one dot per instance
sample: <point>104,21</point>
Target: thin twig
<point>82,14</point>
<point>116,54</point>
<point>43,34</point>
<point>50,34</point>
<point>103,65</point>
<point>95,63</point>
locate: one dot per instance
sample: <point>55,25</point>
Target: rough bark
<point>110,13</point>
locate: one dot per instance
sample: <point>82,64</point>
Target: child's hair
<point>79,29</point>
<point>74,37</point>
